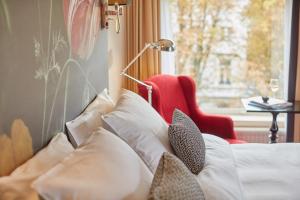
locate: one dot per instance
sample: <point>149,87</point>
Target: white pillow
<point>17,185</point>
<point>103,103</point>
<point>86,123</point>
<point>136,122</point>
<point>104,167</point>
<point>219,178</point>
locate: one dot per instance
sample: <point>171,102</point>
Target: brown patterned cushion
<point>172,181</point>
<point>180,117</point>
<point>187,141</point>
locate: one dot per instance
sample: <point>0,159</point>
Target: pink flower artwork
<point>82,18</point>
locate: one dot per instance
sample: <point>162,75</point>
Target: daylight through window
<point>232,48</point>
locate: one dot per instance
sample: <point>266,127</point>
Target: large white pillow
<point>219,179</point>
<point>136,122</point>
<point>17,185</point>
<point>104,167</point>
<point>86,123</point>
<point>103,103</point>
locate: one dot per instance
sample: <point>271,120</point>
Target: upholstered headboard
<point>53,61</point>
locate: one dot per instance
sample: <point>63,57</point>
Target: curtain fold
<point>142,26</point>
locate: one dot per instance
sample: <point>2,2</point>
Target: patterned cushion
<point>187,141</point>
<point>172,180</point>
<point>180,117</point>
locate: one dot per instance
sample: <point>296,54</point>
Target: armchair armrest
<point>218,125</point>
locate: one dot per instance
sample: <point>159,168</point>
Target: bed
<point>116,152</point>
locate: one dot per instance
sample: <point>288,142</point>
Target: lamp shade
<point>120,2</point>
<point>163,45</point>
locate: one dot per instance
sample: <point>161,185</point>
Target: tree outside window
<point>232,48</point>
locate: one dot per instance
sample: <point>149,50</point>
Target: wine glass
<point>274,85</point>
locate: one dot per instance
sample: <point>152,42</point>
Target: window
<point>232,48</point>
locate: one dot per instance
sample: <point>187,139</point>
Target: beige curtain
<point>143,26</point>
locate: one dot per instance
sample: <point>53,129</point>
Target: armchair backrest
<point>167,94</point>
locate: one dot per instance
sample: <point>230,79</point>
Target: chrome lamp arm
<point>160,45</point>
<point>123,73</point>
<point>149,87</point>
<point>135,59</point>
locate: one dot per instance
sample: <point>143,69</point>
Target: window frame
<point>293,62</point>
<point>286,122</point>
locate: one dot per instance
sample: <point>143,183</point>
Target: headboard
<point>53,61</point>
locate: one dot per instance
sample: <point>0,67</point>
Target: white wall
<point>116,57</point>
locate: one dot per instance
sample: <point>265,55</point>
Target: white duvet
<point>268,171</point>
<point>250,171</point>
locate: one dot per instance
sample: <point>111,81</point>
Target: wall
<point>52,64</point>
<point>117,57</point>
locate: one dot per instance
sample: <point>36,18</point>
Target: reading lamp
<point>160,45</point>
<point>118,11</point>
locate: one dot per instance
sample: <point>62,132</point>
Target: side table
<point>275,112</point>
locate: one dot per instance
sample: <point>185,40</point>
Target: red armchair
<point>170,92</point>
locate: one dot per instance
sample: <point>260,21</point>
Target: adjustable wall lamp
<point>160,45</point>
<point>116,12</point>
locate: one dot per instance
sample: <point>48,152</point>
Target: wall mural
<point>53,61</point>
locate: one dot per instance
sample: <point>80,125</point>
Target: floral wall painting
<point>82,18</point>
<point>4,15</point>
<point>15,148</point>
<point>53,61</point>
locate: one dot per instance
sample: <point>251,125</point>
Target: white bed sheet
<point>219,178</point>
<point>268,171</point>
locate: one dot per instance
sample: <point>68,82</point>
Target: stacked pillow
<point>103,167</point>
<point>86,123</point>
<point>17,185</point>
<point>117,164</point>
<point>136,122</point>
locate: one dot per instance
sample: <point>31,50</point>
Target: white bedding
<point>268,171</point>
<point>250,171</point>
<point>231,172</point>
<point>219,178</point>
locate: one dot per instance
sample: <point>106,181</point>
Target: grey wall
<point>51,66</point>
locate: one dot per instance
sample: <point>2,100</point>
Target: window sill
<point>256,121</point>
<point>247,120</point>
<point>258,135</point>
